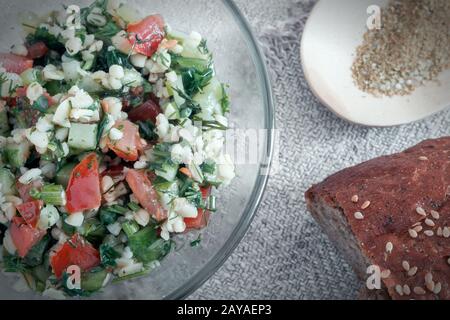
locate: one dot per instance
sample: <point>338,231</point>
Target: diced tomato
<point>24,236</point>
<point>83,191</point>
<point>75,252</point>
<point>30,212</point>
<point>24,189</point>
<point>147,34</point>
<point>37,50</point>
<point>202,218</point>
<point>14,63</point>
<point>130,145</point>
<point>149,110</point>
<point>144,192</point>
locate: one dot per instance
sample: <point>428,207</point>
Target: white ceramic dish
<point>333,32</point>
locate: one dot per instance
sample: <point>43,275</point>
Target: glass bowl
<point>238,63</point>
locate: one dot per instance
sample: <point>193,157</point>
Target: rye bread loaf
<point>393,212</point>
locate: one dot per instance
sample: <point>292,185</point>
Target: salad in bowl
<point>112,134</point>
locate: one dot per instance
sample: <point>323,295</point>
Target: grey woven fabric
<point>285,254</point>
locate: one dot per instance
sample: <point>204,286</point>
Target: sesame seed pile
<point>412,47</point>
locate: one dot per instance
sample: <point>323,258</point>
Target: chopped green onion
<point>211,203</point>
<point>53,194</point>
<point>134,206</point>
<point>35,193</point>
<point>131,276</point>
<point>130,227</point>
<point>117,209</point>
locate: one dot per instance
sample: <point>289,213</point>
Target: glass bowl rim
<point>240,230</point>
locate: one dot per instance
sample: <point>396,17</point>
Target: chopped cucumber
<point>83,136</point>
<point>7,180</point>
<point>17,154</point>
<point>173,88</point>
<point>168,171</point>
<point>197,63</point>
<point>171,111</point>
<point>210,99</point>
<point>4,124</point>
<point>63,175</point>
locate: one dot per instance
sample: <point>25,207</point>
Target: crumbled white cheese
<point>34,91</point>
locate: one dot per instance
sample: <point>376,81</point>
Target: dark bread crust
<point>396,186</point>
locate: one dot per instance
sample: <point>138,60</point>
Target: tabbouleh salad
<point>112,133</point>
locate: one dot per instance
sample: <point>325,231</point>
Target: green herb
<point>13,263</point>
<point>189,103</point>
<point>197,242</point>
<point>211,125</point>
<point>147,247</point>
<point>108,255</point>
<point>93,230</point>
<point>42,34</point>
<point>108,217</point>
<point>208,167</point>
<point>147,130</point>
<point>41,104</point>
<point>106,32</point>
<point>203,47</point>
<point>35,256</point>
<point>117,209</point>
<point>54,87</point>
<point>225,100</point>
<point>194,195</point>
<point>162,156</point>
<point>101,128</point>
